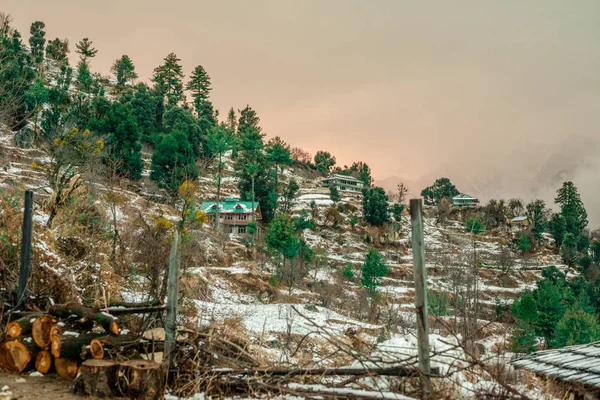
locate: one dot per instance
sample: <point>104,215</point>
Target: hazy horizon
<point>496,87</point>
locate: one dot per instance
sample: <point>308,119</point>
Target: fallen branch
<point>104,319</point>
<point>321,390</point>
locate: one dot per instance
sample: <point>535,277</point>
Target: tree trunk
<point>142,380</point>
<point>94,314</point>
<point>77,346</point>
<point>149,303</point>
<point>43,362</point>
<point>218,214</point>
<point>66,368</point>
<point>41,330</point>
<point>17,355</point>
<point>98,378</point>
<point>21,326</point>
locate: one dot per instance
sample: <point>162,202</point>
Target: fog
<point>500,96</point>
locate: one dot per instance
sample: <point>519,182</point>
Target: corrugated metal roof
<point>463,196</point>
<point>344,177</point>
<point>230,205</point>
<point>579,363</point>
<point>518,219</point>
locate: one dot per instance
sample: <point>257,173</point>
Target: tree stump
<point>66,368</point>
<point>97,378</point>
<point>43,362</point>
<point>142,380</point>
<point>76,346</point>
<point>21,326</point>
<point>17,355</point>
<point>40,331</point>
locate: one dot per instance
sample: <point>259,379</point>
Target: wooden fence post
<point>172,300</point>
<point>25,248</point>
<point>420,275</point>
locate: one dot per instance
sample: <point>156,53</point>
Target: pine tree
<point>182,120</point>
<point>231,121</point>
<point>85,50</point>
<point>375,206</point>
<point>373,269</point>
<point>363,171</point>
<point>281,238</point>
<point>536,212</point>
<point>123,149</point>
<point>144,107</point>
<point>334,193</point>
<point>278,153</point>
<point>576,327</point>
<point>84,77</point>
<point>199,86</point>
<point>572,208</point>
<point>37,41</point>
<point>569,249</point>
<point>173,162</point>
<point>441,188</point>
<point>124,70</point>
<point>557,227</point>
<point>324,162</point>
<point>168,79</point>
<point>58,49</point>
<point>248,120</point>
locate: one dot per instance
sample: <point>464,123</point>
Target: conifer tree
<point>231,121</point>
<point>248,120</point>
<point>168,79</point>
<point>219,141</point>
<point>199,86</point>
<point>334,193</point>
<point>363,171</point>
<point>85,50</point>
<point>375,206</point>
<point>557,227</point>
<point>37,41</point>
<point>84,77</point>
<point>123,149</point>
<point>144,107</point>
<point>572,208</point>
<point>124,70</point>
<point>441,188</point>
<point>324,162</point>
<point>173,162</point>
<point>57,49</point>
<point>278,153</point>
<point>373,269</point>
<point>182,120</point>
<point>536,212</point>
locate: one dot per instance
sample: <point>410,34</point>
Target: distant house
<point>576,366</point>
<point>464,200</point>
<point>234,215</point>
<point>344,182</point>
<point>519,223</point>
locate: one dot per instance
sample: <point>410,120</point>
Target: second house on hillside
<point>234,215</point>
<point>344,182</point>
<point>464,200</point>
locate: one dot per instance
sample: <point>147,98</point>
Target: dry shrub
<point>253,283</point>
<point>10,239</point>
<point>72,247</point>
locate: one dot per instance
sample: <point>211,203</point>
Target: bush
<point>373,269</point>
<point>438,303</point>
<point>576,327</point>
<point>348,271</point>
<point>524,243</point>
<point>474,225</point>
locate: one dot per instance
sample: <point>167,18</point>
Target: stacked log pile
<point>77,341</point>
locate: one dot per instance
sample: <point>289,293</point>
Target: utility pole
<point>25,248</point>
<point>420,275</point>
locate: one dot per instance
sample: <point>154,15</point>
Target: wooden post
<point>25,248</point>
<point>172,293</point>
<point>420,275</point>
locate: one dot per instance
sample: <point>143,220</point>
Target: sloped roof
<point>463,196</point>
<point>580,364</point>
<point>518,219</point>
<point>344,177</point>
<point>229,205</point>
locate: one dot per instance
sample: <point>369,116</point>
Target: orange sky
<point>401,85</point>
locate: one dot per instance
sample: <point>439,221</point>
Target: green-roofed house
<point>464,200</point>
<point>234,215</point>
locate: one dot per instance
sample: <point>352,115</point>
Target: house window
<point>242,229</point>
<point>242,217</point>
<point>229,217</point>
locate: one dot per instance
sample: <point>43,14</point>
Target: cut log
<point>17,355</point>
<point>40,331</point>
<point>97,378</point>
<point>142,380</point>
<point>66,368</point>
<point>137,310</point>
<point>43,362</point>
<point>21,326</point>
<point>104,319</point>
<point>150,303</point>
<point>77,346</point>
